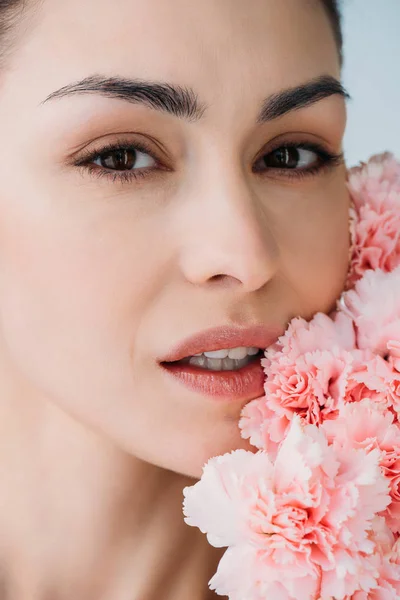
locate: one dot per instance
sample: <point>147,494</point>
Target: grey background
<point>372,77</point>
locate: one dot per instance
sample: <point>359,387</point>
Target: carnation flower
<point>307,372</point>
<point>315,513</point>
<point>375,183</point>
<point>374,307</point>
<point>312,386</point>
<point>369,425</point>
<point>372,377</point>
<point>377,239</point>
<point>320,333</point>
<point>388,587</point>
<point>375,216</point>
<point>297,528</point>
<point>386,556</point>
<point>376,378</point>
<point>261,426</point>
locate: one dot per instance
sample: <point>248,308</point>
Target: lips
<point>218,338</point>
<point>246,383</point>
<point>241,385</point>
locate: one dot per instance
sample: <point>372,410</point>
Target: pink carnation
<point>395,553</point>
<point>315,513</point>
<point>388,587</point>
<point>375,309</point>
<point>377,242</point>
<point>369,425</point>
<point>376,182</point>
<point>374,378</point>
<point>375,216</point>
<point>320,333</point>
<point>386,556</point>
<point>368,379</point>
<point>299,528</point>
<point>312,386</point>
<point>255,425</point>
<point>307,373</point>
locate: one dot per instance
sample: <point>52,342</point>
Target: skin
<point>98,278</point>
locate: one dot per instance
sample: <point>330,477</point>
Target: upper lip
<point>218,338</point>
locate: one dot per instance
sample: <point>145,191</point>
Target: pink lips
<point>246,383</point>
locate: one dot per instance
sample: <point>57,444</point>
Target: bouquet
<point>314,512</point>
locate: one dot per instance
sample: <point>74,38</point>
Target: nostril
<point>224,279</point>
<point>217,277</point>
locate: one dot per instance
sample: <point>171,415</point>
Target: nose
<point>227,233</point>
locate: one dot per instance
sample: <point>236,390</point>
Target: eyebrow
<point>183,102</point>
<point>299,97</point>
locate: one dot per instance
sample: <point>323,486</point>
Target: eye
<point>290,158</point>
<point>297,159</point>
<point>121,162</point>
<point>124,159</point>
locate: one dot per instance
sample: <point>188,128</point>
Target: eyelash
<point>325,161</point>
<point>122,176</point>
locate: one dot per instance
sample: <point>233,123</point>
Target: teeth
<point>217,354</point>
<point>198,360</point>
<point>228,364</point>
<point>235,353</point>
<point>219,364</point>
<point>214,364</point>
<point>229,359</point>
<point>238,353</point>
<point>252,351</point>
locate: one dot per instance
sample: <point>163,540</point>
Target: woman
<point>172,182</point>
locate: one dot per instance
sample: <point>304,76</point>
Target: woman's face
<point>108,259</point>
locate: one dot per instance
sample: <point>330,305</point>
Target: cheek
<point>73,291</point>
<point>315,250</point>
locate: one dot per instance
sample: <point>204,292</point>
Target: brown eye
<point>282,158</point>
<point>124,159</point>
<point>289,157</point>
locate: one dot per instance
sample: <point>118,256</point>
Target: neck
<point>81,519</point>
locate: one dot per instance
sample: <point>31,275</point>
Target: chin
<point>191,462</point>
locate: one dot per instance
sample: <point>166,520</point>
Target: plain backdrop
<point>372,77</point>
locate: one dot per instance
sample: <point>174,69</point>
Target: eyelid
<point>297,140</point>
<point>88,155</point>
<point>327,160</point>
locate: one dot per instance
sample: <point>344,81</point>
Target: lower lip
<point>246,383</point>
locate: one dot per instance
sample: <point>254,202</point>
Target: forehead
<point>218,47</point>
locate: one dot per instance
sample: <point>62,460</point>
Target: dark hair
<point>335,17</point>
<point>11,11</point>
